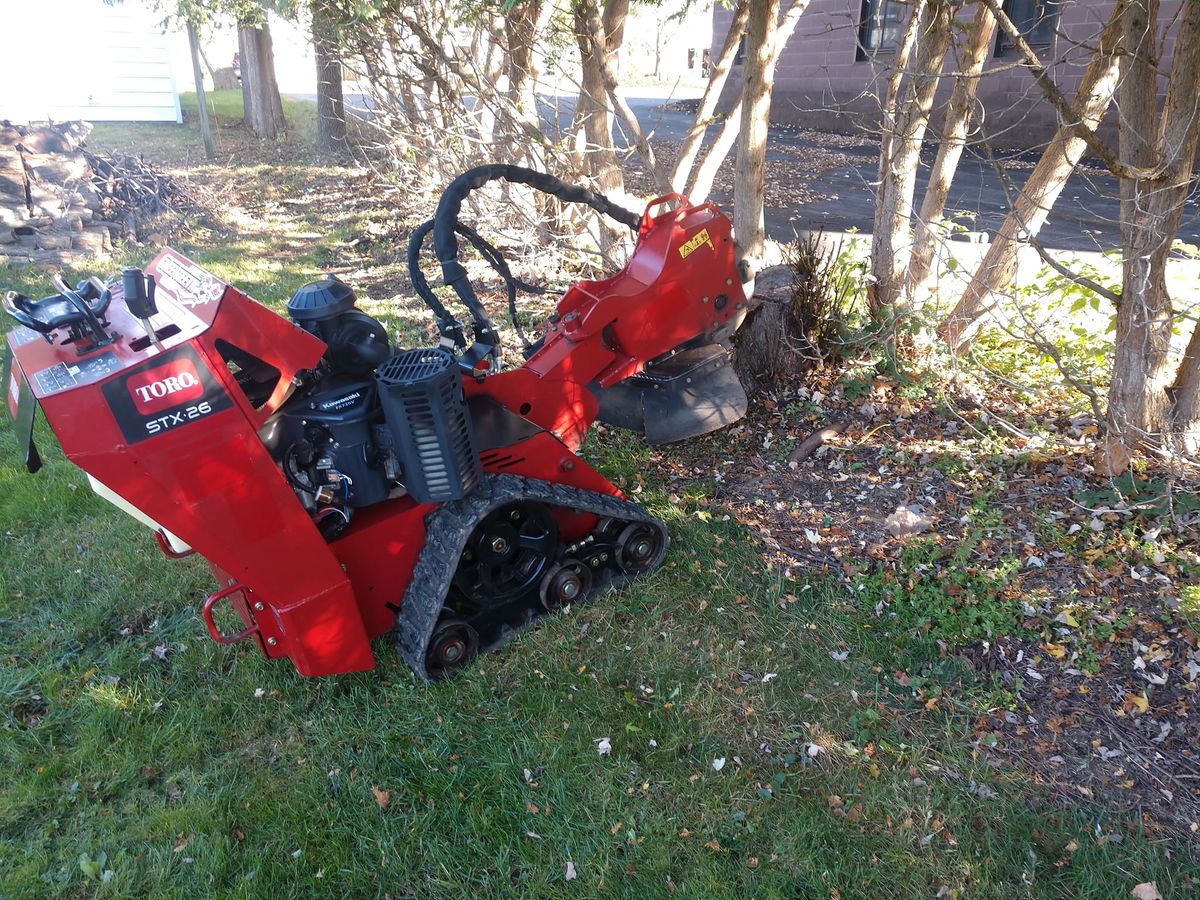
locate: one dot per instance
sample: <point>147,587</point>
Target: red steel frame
<point>206,477</point>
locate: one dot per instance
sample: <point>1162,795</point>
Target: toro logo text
<point>165,386</point>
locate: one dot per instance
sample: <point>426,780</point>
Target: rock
<point>11,217</point>
<point>64,137</point>
<point>57,169</point>
<point>6,235</point>
<point>94,241</point>
<point>53,241</point>
<point>907,520</point>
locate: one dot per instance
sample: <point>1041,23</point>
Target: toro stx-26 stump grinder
<point>341,488</point>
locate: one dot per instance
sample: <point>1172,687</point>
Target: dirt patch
<point>1096,672</point>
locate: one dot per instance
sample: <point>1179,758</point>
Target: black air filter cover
<point>422,398</point>
<point>319,300</point>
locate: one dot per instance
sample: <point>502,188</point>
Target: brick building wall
<point>825,81</point>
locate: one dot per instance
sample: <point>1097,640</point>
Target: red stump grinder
<point>341,488</point>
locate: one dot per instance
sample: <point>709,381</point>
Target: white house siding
<point>85,59</point>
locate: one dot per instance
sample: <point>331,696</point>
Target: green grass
<point>169,142</point>
<point>217,772</point>
<point>188,783</point>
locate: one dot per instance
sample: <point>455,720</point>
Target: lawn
<point>762,740</point>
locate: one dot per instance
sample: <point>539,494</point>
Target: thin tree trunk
<point>1140,413</point>
<point>331,112</point>
<point>692,141</point>
<point>953,141</point>
<point>768,324</point>
<point>749,186</point>
<point>901,155</point>
<point>201,100</point>
<point>1039,194</point>
<point>699,183</point>
<point>1186,391</point>
<point>245,51</point>
<point>608,76</point>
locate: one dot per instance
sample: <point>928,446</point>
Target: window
<point>1035,19</point>
<point>882,26</point>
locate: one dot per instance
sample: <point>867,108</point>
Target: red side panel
<point>166,427</point>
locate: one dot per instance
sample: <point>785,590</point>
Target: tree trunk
<point>521,26</point>
<point>900,155</point>
<point>769,325</point>
<point>593,118</point>
<point>331,112</point>
<point>950,150</point>
<point>1039,194</point>
<point>749,188</point>
<point>260,92</point>
<point>1140,414</point>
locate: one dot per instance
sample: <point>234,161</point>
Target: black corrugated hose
<point>445,224</point>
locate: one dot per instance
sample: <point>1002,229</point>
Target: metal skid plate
<point>690,393</point>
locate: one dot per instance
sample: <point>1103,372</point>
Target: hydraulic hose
<point>446,224</point>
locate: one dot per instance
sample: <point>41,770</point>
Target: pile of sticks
<point>133,192</point>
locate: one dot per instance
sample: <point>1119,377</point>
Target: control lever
<point>139,298</point>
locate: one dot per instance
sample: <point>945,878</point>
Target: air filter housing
<point>423,404</point>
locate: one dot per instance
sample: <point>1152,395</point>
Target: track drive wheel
<point>453,645</point>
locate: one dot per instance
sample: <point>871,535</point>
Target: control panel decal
<point>165,393</point>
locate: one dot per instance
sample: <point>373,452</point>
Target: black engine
<point>370,422</point>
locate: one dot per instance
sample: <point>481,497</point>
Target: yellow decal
<point>696,243</point>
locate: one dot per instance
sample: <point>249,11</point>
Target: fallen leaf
<point>382,798</point>
<point>1147,890</point>
<point>1058,651</point>
<point>1136,703</point>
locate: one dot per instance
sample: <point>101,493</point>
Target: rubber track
<point>448,527</point>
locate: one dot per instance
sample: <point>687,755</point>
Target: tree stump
<point>766,346</point>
